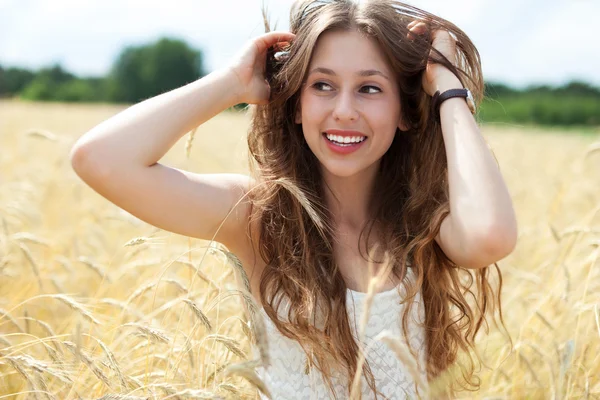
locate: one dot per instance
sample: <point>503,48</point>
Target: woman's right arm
<point>119,157</point>
<point>119,160</point>
<point>143,133</point>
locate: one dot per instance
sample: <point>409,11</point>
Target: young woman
<point>363,141</point>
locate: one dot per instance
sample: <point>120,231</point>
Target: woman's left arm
<point>481,227</point>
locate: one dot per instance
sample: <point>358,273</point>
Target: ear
<point>298,116</point>
<point>402,125</point>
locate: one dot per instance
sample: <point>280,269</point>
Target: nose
<point>345,107</point>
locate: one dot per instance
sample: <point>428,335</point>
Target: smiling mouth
<point>340,144</point>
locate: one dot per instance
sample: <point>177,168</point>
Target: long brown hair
<point>409,201</point>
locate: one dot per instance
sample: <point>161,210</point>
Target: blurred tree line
<point>141,72</point>
<point>575,103</point>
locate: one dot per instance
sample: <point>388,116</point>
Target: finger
<point>414,23</point>
<point>271,38</point>
<point>281,45</point>
<point>443,36</point>
<point>417,29</point>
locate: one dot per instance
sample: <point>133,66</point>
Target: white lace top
<point>285,378</point>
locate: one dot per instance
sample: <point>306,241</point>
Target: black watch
<point>439,98</point>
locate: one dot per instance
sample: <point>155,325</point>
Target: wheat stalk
<point>256,320</point>
<point>188,142</point>
<point>75,306</point>
<point>195,394</point>
<point>165,387</point>
<point>199,272</point>
<point>215,372</point>
<point>17,367</point>
<point>41,384</point>
<point>34,266</point>
<point>150,285</point>
<point>141,290</point>
<point>180,286</point>
<point>230,388</point>
<point>6,314</point>
<point>64,263</point>
<point>246,371</point>
<point>229,342</point>
<point>404,355</point>
<point>137,241</point>
<point>152,374</point>
<point>239,268</point>
<point>597,318</point>
<point>156,335</point>
<point>199,314</point>
<point>94,267</point>
<point>41,323</point>
<point>122,306</point>
<point>247,329</point>
<point>26,361</point>
<point>112,362</point>
<point>141,345</point>
<point>30,237</point>
<point>132,265</point>
<point>374,282</point>
<point>88,361</point>
<point>41,134</point>
<point>53,353</point>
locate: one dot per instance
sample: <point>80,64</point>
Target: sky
<point>521,42</point>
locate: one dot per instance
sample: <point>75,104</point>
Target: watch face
<point>471,101</point>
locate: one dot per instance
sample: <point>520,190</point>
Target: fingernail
<point>281,55</point>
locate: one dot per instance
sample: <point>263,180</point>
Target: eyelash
<point>323,83</point>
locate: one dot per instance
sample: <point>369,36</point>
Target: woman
<point>363,142</point>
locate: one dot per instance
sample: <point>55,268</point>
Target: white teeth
<point>346,139</point>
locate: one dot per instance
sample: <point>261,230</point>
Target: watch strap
<point>438,98</point>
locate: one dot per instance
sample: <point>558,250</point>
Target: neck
<point>348,197</point>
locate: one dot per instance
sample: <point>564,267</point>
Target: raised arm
<point>119,157</point>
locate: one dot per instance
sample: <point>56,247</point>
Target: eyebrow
<point>363,72</point>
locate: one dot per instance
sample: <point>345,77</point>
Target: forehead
<point>348,51</point>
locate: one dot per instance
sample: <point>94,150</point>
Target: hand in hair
<point>437,76</point>
<point>250,64</point>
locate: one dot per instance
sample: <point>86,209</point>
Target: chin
<point>342,170</point>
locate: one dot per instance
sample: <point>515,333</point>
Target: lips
<point>342,148</point>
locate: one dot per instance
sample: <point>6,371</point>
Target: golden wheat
<point>62,244</point>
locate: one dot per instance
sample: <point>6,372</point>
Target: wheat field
<point>97,304</point>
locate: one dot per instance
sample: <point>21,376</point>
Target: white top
<point>285,378</point>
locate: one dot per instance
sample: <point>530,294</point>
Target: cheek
<point>393,113</point>
<point>313,110</point>
<point>384,115</point>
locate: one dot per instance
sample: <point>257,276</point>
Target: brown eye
<point>373,87</point>
<point>318,85</point>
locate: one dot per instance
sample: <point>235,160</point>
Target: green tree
<point>494,90</point>
<point>81,90</point>
<point>145,71</point>
<point>13,80</point>
<point>46,83</point>
<point>578,88</point>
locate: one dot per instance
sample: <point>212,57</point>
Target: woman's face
<point>349,87</point>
